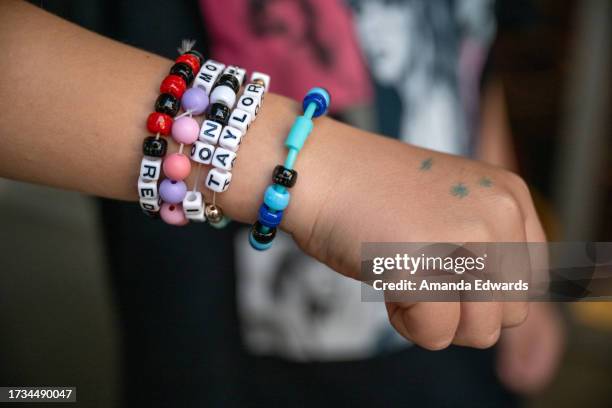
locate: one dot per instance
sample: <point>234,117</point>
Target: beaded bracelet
<point>224,89</point>
<point>160,124</point>
<point>220,137</point>
<point>276,197</point>
<point>177,166</point>
<point>234,130</point>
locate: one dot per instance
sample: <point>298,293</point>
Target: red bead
<point>190,60</point>
<point>159,123</point>
<point>174,85</point>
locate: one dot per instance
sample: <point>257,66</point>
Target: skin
<point>73,111</point>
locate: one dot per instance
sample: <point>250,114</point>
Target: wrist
<point>261,150</point>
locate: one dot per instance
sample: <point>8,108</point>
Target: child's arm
<point>72,115</point>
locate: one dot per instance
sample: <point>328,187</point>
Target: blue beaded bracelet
<point>277,197</point>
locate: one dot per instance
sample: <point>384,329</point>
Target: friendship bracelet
<point>230,137</point>
<point>160,124</point>
<point>218,141</point>
<point>215,90</point>
<point>277,197</point>
<point>177,166</point>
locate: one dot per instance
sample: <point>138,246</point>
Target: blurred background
<point>57,311</point>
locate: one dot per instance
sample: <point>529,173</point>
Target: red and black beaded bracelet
<point>159,123</point>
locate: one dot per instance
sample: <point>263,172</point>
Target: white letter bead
<point>250,104</point>
<point>147,189</point>
<point>193,203</point>
<point>260,75</point>
<point>239,73</point>
<point>196,217</point>
<point>206,78</point>
<point>218,180</point>
<point>223,158</point>
<point>240,120</point>
<point>230,138</point>
<point>202,152</point>
<point>254,90</point>
<point>150,204</point>
<point>210,132</point>
<point>193,206</point>
<point>223,94</point>
<point>150,168</point>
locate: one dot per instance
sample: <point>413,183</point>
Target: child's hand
<point>380,190</point>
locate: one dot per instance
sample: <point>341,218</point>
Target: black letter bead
<point>184,71</point>
<point>262,237</point>
<point>229,80</point>
<point>154,147</point>
<point>167,104</point>
<point>284,176</point>
<point>197,54</point>
<point>219,113</point>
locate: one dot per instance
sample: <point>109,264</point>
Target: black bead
<point>184,71</point>
<point>155,147</point>
<point>219,113</point>
<point>284,176</point>
<point>229,80</point>
<point>260,236</point>
<point>168,104</point>
<point>197,54</point>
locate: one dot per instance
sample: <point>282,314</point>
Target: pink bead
<point>185,130</point>
<point>177,166</point>
<point>173,214</point>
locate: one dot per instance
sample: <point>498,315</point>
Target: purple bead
<point>195,100</point>
<point>172,191</point>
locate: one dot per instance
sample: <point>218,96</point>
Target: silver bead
<point>213,213</point>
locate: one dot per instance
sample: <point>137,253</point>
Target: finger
<point>479,325</point>
<point>431,325</point>
<point>514,313</point>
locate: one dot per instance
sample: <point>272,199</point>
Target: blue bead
<point>320,97</point>
<point>276,200</point>
<point>257,245</point>
<point>269,218</point>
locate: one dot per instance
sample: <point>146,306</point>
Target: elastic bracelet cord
<point>277,197</point>
<point>161,123</point>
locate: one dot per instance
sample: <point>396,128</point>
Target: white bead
<point>218,180</point>
<point>193,203</point>
<point>239,73</point>
<point>230,138</point>
<point>223,94</point>
<point>150,168</point>
<point>254,90</point>
<point>208,74</point>
<point>264,77</point>
<point>223,158</point>
<point>150,204</point>
<point>240,120</point>
<point>210,132</point>
<point>202,152</point>
<point>147,189</point>
<point>193,206</point>
<point>250,104</point>
<point>196,217</point>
